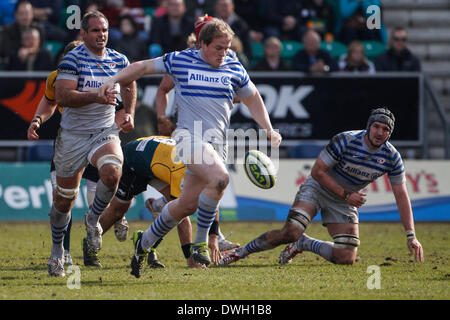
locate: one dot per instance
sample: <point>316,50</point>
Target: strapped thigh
<point>346,241</point>
<point>299,218</point>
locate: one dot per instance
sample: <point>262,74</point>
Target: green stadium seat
<point>290,48</point>
<point>335,48</point>
<point>149,11</point>
<point>54,47</point>
<point>257,50</point>
<point>373,48</point>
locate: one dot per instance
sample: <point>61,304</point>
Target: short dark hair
<point>19,3</point>
<point>89,15</point>
<point>397,28</point>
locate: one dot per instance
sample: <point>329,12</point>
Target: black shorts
<point>130,184</point>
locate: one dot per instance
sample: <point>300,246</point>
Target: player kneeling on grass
<point>351,161</point>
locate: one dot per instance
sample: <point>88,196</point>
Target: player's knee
<point>64,198</point>
<point>110,174</point>
<point>222,181</point>
<point>290,233</point>
<point>344,256</point>
<point>345,247</point>
<point>219,182</point>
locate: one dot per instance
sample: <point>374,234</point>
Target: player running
<point>206,82</point>
<point>351,161</point>
<point>149,161</point>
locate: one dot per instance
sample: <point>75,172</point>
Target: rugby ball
<point>260,169</point>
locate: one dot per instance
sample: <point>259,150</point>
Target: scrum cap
<point>383,115</point>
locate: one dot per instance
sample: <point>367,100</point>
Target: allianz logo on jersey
<point>93,84</point>
<point>210,79</point>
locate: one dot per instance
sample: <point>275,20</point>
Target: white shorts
<point>333,208</point>
<point>73,150</point>
<point>190,148</point>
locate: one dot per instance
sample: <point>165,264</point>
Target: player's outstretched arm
<point>44,111</point>
<point>255,105</point>
<point>126,76</point>
<point>406,216</point>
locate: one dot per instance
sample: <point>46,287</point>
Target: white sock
<point>322,248</point>
<point>206,214</point>
<point>159,228</point>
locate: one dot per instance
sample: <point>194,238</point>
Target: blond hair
<point>215,29</point>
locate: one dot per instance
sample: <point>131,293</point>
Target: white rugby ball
<point>260,169</point>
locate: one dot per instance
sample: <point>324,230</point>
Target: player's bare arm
<point>44,111</point>
<point>128,94</point>
<point>165,126</point>
<point>258,110</point>
<point>67,95</point>
<point>126,76</point>
<point>406,216</point>
<point>319,173</point>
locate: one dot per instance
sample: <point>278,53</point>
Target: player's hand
<point>415,248</point>
<point>275,138</point>
<point>106,87</point>
<point>213,244</point>
<point>356,199</point>
<point>125,122</point>
<point>31,133</point>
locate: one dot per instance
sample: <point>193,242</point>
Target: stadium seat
<point>335,48</point>
<point>39,152</point>
<point>257,50</point>
<point>290,48</point>
<point>305,151</point>
<point>54,47</point>
<point>373,48</point>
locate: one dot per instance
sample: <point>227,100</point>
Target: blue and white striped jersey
<point>353,165</point>
<point>90,72</point>
<point>204,93</point>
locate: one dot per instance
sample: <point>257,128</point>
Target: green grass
<point>25,248</point>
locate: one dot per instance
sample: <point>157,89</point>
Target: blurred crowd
<point>271,35</point>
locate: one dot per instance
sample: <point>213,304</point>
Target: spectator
<point>272,60</point>
<point>252,11</point>
<point>281,19</point>
<point>398,57</point>
<point>355,60</point>
<point>172,29</point>
<point>30,56</point>
<point>12,33</point>
<point>319,16</point>
<point>224,10</point>
<point>236,46</point>
<point>311,58</point>
<point>197,8</point>
<point>47,14</point>
<point>130,44</point>
<point>353,24</point>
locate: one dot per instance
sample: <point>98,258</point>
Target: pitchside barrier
<point>305,108</point>
<point>26,194</point>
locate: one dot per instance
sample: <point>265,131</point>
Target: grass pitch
<point>25,248</point>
